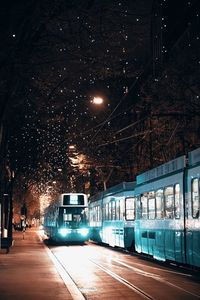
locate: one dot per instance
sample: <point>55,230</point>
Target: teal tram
<point>66,219</point>
<point>112,216</point>
<point>158,215</point>
<point>167,224</point>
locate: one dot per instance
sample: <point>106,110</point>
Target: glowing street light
<point>72,147</point>
<point>97,100</point>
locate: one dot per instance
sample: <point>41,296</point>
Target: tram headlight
<point>64,231</point>
<point>83,231</point>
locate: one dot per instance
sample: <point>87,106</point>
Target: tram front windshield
<point>72,217</point>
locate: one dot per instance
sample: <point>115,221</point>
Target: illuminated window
<point>144,211</point>
<point>130,208</point>
<point>67,217</point>
<point>96,214</point>
<point>73,199</point>
<point>118,210</point>
<point>138,208</point>
<point>113,205</point>
<point>177,201</point>
<point>121,209</point>
<point>100,213</point>
<point>104,212</point>
<point>159,204</point>
<point>151,205</point>
<point>195,198</point>
<point>109,211</point>
<point>169,202</point>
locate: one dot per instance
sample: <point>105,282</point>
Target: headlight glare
<point>83,231</point>
<point>64,231</point>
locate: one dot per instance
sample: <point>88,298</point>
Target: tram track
<point>124,281</point>
<point>67,278</point>
<point>169,264</point>
<point>166,267</point>
<point>159,278</point>
<point>80,293</point>
<point>162,279</point>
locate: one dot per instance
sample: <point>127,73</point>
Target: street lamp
<point>97,100</point>
<point>72,147</point>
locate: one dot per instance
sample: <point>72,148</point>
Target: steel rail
<point>158,278</point>
<point>124,281</point>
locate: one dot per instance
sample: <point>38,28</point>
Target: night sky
<point>141,57</point>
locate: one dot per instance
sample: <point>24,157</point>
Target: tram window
<point>93,214</point>
<point>195,198</point>
<point>138,208</point>
<point>96,214</point>
<point>100,213</point>
<point>77,218</point>
<point>90,216</point>
<point>109,211</point>
<point>113,205</point>
<point>118,210</point>
<point>177,199</point>
<point>144,206</point>
<point>130,208</point>
<point>104,212</point>
<point>169,202</point>
<point>152,205</point>
<point>73,199</point>
<point>121,209</point>
<point>159,204</point>
<point>67,217</point>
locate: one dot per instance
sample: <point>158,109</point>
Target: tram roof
<point>164,169</point>
<point>123,186</point>
<point>194,157</point>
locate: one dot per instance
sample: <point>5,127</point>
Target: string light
<point>63,113</point>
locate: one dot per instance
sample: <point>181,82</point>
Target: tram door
<point>193,209</point>
<point>193,221</point>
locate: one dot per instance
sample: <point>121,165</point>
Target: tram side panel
<point>193,210</point>
<point>95,220</point>
<point>118,219</point>
<point>167,222</point>
<point>117,213</point>
<point>50,217</point>
<point>113,224</point>
<point>129,219</point>
<point>159,225</point>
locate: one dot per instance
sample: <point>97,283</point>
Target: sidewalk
<point>27,272</point>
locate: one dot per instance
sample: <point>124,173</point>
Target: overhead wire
<point>98,125</point>
<point>126,138</point>
<point>118,104</point>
